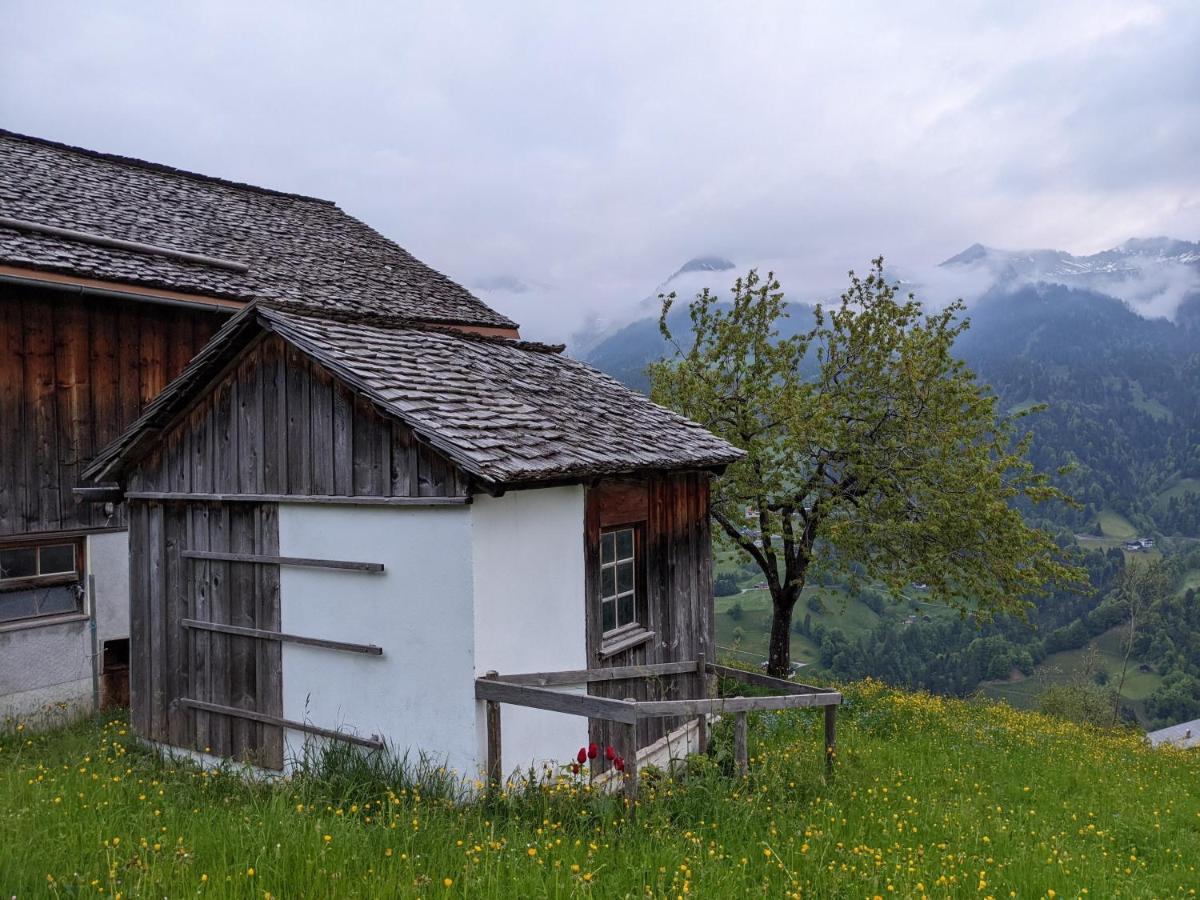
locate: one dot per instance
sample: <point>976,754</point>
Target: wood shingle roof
<point>507,412</point>
<point>298,250</point>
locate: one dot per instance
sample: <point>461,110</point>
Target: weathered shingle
<point>506,411</point>
<point>300,250</point>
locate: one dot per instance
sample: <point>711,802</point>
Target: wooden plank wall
<point>75,371</point>
<point>673,509</point>
<point>278,423</point>
<point>169,662</point>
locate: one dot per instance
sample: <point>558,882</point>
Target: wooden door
<point>178,594</point>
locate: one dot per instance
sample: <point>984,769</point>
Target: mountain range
<point>1109,342</point>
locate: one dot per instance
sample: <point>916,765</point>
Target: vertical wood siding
<point>278,423</point>
<point>678,578</point>
<point>75,372</point>
<point>169,662</point>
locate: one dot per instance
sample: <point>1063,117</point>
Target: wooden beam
<point>741,753</point>
<point>189,703</point>
<point>540,698</point>
<point>631,765</point>
<point>241,631</point>
<point>100,493</point>
<point>284,560</point>
<point>655,709</point>
<point>79,284</point>
<point>168,496</point>
<point>830,738</point>
<point>495,765</point>
<point>702,720</point>
<point>779,685</point>
<point>589,676</point>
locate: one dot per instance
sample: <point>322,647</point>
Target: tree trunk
<point>779,658</point>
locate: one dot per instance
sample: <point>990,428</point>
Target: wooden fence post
<point>702,719</point>
<point>741,752</point>
<point>631,765</point>
<point>830,738</point>
<point>494,764</point>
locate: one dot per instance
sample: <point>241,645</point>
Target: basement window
<point>40,579</point>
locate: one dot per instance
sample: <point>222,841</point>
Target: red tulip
<point>574,768</point>
<point>581,756</point>
<point>619,764</point>
<point>609,753</point>
<point>593,750</point>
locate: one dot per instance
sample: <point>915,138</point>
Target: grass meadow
<point>932,797</point>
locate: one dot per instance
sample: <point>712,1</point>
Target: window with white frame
<point>40,579</point>
<point>618,579</point>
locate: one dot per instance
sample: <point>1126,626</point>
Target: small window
<point>40,580</point>
<point>618,579</point>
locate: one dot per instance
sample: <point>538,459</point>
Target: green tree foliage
<point>726,585</point>
<point>887,462</point>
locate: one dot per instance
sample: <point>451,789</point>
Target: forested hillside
<point>1120,392</point>
<point>1121,417</point>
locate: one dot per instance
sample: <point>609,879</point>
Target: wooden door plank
<point>242,650</point>
<point>140,644</point>
<point>268,655</point>
<point>219,651</point>
<point>302,561</point>
<point>175,528</point>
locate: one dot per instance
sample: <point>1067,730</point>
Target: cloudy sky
<point>589,149</point>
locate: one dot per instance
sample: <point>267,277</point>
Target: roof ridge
<point>161,168</point>
<point>380,320</point>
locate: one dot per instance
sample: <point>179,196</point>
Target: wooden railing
<point>532,689</point>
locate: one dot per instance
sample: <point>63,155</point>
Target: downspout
<point>95,644</point>
<point>84,290</point>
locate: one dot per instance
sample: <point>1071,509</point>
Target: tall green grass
<point>932,797</point>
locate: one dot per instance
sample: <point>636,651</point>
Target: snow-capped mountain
<point>1152,275</point>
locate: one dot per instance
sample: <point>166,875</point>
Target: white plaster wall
<point>420,695</point>
<point>529,611</point>
<point>108,560</point>
<point>46,669</point>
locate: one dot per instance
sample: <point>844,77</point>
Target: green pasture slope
<point>931,797</point>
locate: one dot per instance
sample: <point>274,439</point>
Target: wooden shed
<point>114,272</point>
<point>341,520</point>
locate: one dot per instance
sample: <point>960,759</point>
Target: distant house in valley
<point>1139,544</point>
<point>1185,735</point>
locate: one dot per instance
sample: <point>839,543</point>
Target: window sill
<point>43,622</point>
<point>619,643</point>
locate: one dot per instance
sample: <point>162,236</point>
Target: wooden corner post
<point>830,738</point>
<point>741,751</point>
<point>494,763</point>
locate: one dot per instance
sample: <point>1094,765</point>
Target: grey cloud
<point>589,149</point>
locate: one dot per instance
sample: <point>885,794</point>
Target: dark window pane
<point>57,558</point>
<point>608,615</point>
<point>54,601</point>
<point>625,544</point>
<point>606,547</point>
<point>607,582</point>
<point>20,562</point>
<point>626,609</point>
<point>624,577</point>
<point>17,605</point>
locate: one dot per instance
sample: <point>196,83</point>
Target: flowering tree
<point>886,460</point>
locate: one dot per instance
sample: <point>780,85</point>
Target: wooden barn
<point>363,498</point>
<point>113,274</point>
<point>340,521</point>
